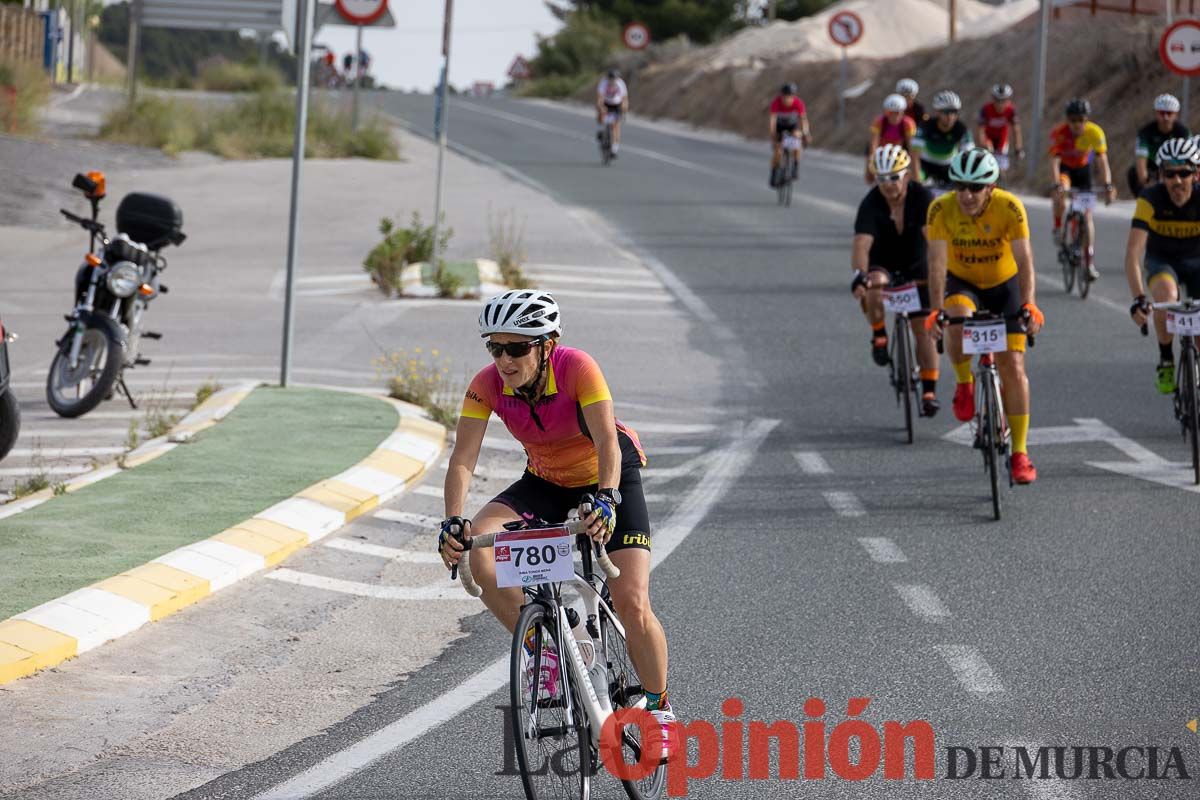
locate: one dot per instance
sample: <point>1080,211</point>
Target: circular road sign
<point>1179,47</point>
<point>361,12</point>
<point>636,36</point>
<point>845,28</point>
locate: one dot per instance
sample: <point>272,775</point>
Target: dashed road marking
<point>812,463</point>
<point>393,553</point>
<point>846,504</point>
<point>922,601</point>
<point>447,590</point>
<point>408,518</point>
<point>883,550</point>
<point>970,668</point>
<point>430,491</point>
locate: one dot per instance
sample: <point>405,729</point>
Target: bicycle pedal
<point>141,361</point>
<point>151,335</point>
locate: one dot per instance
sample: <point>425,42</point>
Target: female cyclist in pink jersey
<point>555,402</point>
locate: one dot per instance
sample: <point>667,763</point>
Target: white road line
<point>624,297</point>
<point>922,601</point>
<point>733,460</point>
<point>845,504</point>
<point>341,277</point>
<point>393,553</point>
<point>554,280</point>
<point>883,550</point>
<point>970,668</point>
<point>20,472</point>
<point>651,497</point>
<point>812,463</point>
<point>583,270</point>
<point>64,452</point>
<point>408,518</point>
<point>676,450</point>
<point>442,590</point>
<point>689,467</point>
<point>681,429</point>
<point>430,491</point>
<point>72,430</point>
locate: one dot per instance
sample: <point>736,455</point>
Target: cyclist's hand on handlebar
<point>600,514</point>
<point>449,546</point>
<point>860,284</point>
<point>934,322</point>
<point>1034,318</point>
<point>1140,310</point>
<point>1110,193</point>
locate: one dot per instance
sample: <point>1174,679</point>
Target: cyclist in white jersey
<point>612,97</point>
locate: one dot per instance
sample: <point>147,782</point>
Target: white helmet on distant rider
<point>894,102</point>
<point>1002,91</point>
<point>946,100</point>
<point>1167,102</point>
<point>527,312</point>
<point>907,87</point>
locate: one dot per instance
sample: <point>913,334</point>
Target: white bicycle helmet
<point>894,102</point>
<point>1178,153</point>
<point>946,100</point>
<point>889,159</point>
<point>907,87</point>
<point>976,165</point>
<point>528,312</point>
<point>1002,91</point>
<point>1166,102</point>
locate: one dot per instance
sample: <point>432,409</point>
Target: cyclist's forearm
<point>1023,255</point>
<point>937,273</point>
<point>1135,246</point>
<point>1143,171</point>
<point>1018,138</point>
<point>860,251</point>
<point>458,482</point>
<point>1106,169</point>
<point>1055,170</point>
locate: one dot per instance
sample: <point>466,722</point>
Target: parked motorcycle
<point>10,408</point>
<point>112,290</point>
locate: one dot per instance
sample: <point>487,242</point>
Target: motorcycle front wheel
<point>10,421</point>
<point>74,391</point>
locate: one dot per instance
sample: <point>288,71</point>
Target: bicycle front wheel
<point>1068,268</point>
<point>1188,379</point>
<point>553,749</point>
<point>625,691</point>
<point>1083,281</point>
<point>988,425</point>
<point>903,367</point>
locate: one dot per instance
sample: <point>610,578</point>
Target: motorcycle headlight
<point>124,279</point>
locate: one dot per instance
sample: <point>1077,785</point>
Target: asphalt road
<point>848,563</point>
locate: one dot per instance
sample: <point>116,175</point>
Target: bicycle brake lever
<point>1145,329</point>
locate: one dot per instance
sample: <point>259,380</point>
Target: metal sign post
<point>1179,49</point>
<point>841,117</point>
<point>358,71</point>
<point>1039,87</point>
<point>303,54</point>
<point>845,28</point>
<point>443,109</point>
<point>131,58</point>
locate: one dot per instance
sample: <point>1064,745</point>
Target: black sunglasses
<point>1178,173</point>
<point>973,188</point>
<point>514,349</point>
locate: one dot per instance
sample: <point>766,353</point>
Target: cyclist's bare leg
<point>953,334</point>
<point>617,130</point>
<point>1014,383</point>
<point>873,305</point>
<point>776,154</point>
<point>1163,290</point>
<point>927,355</point>
<point>1058,201</point>
<point>1089,230</point>
<point>505,604</point>
<point>644,633</point>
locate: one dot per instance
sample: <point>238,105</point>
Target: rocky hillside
<point>1110,59</point>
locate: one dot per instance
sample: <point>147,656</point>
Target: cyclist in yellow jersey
<point>980,258</point>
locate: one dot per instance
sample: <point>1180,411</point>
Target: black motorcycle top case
<point>149,218</point>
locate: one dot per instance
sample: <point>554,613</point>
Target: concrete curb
<point>205,415</point>
<point>61,629</point>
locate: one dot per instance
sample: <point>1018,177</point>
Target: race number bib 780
<point>902,299</point>
<point>985,337</point>
<point>532,557</point>
<point>1186,323</point>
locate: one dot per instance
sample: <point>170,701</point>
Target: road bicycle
<point>1075,241</point>
<point>559,715</point>
<point>606,137</point>
<point>985,335</point>
<point>788,167</point>
<point>904,302</point>
<point>1183,319</point>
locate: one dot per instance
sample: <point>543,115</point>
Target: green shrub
<point>24,89</point>
<point>168,125</point>
<point>556,86</point>
<point>583,46</point>
<point>399,248</point>
<point>225,76</point>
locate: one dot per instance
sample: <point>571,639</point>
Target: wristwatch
<point>611,495</point>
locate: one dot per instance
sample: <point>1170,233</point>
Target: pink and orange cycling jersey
<point>561,452</point>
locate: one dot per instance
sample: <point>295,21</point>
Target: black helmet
<point>788,88</point>
<point>614,73</point>
<point>1078,107</point>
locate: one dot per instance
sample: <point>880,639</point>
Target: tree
<point>795,9</point>
<point>699,20</point>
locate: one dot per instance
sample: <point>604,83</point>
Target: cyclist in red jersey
<point>996,119</point>
<point>787,115</point>
<point>893,126</point>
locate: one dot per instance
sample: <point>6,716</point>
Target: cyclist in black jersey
<point>940,138</point>
<point>1166,229</point>
<point>1150,137</point>
<point>889,250</point>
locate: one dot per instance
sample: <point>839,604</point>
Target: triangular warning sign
<point>1191,726</point>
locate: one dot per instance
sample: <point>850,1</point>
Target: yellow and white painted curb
<point>61,629</point>
<point>205,415</point>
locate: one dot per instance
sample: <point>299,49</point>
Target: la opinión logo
<point>852,749</point>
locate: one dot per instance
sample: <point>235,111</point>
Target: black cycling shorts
<point>614,108</point>
<point>1002,299</point>
<point>1184,271</point>
<point>782,129</point>
<point>1077,177</point>
<point>537,498</point>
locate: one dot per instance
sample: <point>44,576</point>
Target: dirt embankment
<point>1112,61</point>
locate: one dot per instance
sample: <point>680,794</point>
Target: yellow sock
<point>1020,431</point>
<point>962,371</point>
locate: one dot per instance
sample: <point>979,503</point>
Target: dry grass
<point>422,379</point>
<point>506,241</point>
<point>24,89</point>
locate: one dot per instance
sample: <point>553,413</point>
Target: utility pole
<point>303,57</point>
<point>131,59</point>
<point>358,72</point>
<point>771,9</point>
<point>439,124</point>
<point>953,19</point>
<point>1039,87</point>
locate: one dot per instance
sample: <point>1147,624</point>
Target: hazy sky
<point>487,34</point>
